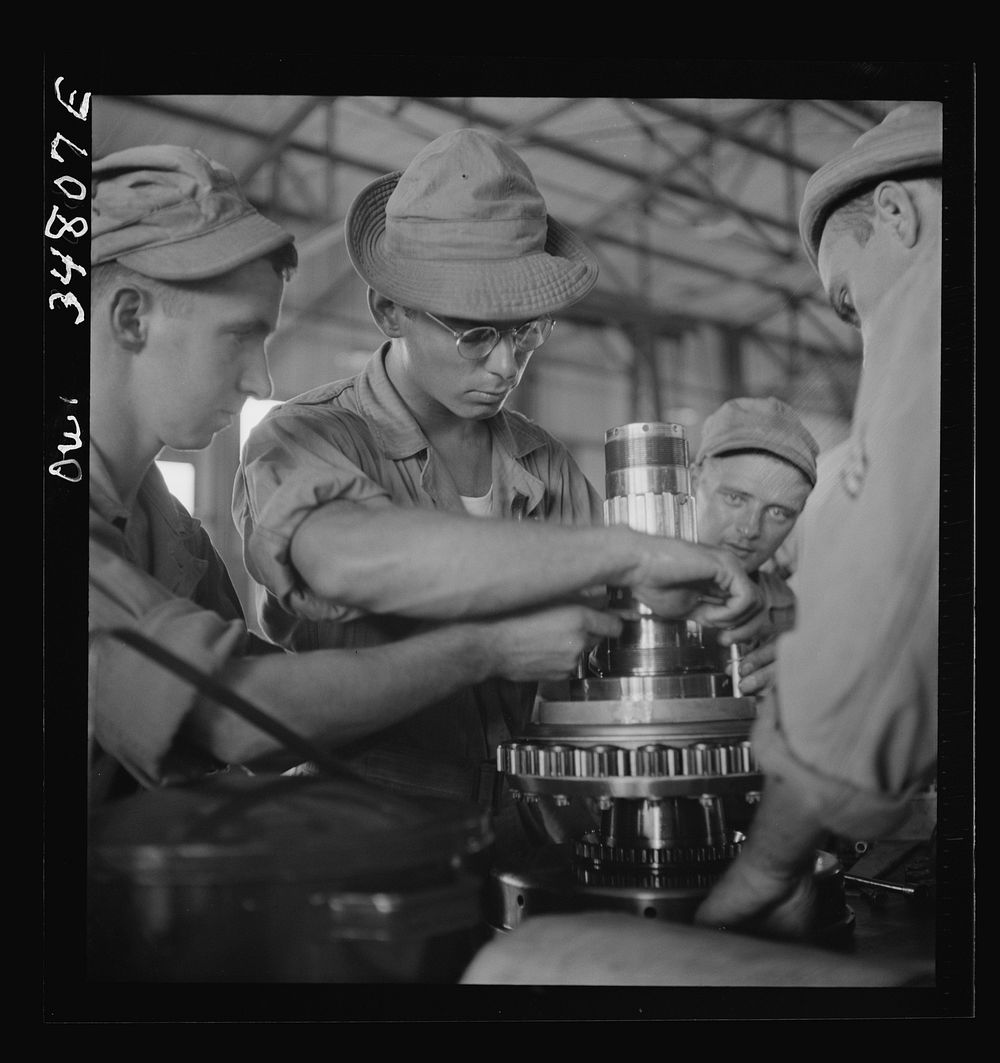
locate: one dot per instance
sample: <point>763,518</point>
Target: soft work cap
<point>174,214</point>
<point>463,231</point>
<point>909,139</point>
<point>768,424</point>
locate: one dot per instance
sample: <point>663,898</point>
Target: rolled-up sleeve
<point>137,707</point>
<point>296,460</point>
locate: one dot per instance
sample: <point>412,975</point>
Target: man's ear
<point>389,316</point>
<point>894,207</point>
<point>128,317</point>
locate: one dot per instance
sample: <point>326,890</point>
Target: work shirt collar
<point>173,533</point>
<point>400,437</point>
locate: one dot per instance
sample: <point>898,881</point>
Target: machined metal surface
<point>649,647</point>
<point>656,513</point>
<point>556,882</point>
<point>658,445</point>
<point>636,699</point>
<point>648,489</point>
<point>748,785</point>
<point>641,767</point>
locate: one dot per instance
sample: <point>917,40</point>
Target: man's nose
<point>256,379</point>
<point>749,524</point>
<point>503,359</point>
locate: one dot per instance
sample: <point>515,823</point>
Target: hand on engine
<point>548,643</point>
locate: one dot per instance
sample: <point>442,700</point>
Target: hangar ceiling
<point>690,205</point>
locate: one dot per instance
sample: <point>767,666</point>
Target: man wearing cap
<point>753,471</point>
<point>359,501</point>
<point>851,733</point>
<point>187,281</point>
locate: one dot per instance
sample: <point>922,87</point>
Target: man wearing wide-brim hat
<point>361,502</point>
<point>851,734</point>
<point>187,280</point>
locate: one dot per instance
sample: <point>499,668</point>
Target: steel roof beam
<point>277,142</point>
<point>724,132</point>
<point>834,109</point>
<point>872,114</point>
<point>228,125</point>
<point>520,129</point>
<point>707,267</point>
<point>601,307</point>
<point>603,162</point>
<point>731,205</point>
<point>650,186</point>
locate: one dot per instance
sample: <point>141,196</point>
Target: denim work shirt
<point>356,439</point>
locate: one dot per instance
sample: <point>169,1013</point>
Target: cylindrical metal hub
<point>686,823</point>
<point>646,456</point>
<point>647,485</point>
<point>648,489</point>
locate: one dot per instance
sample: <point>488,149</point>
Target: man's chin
<point>197,441</point>
<point>745,557</point>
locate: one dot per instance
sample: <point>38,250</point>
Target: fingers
<point>760,657</point>
<point>758,668</point>
<point>600,624</point>
<point>671,604</point>
<point>756,628</point>
<point>548,643</point>
<point>735,611</point>
<point>668,562</point>
<point>758,680</point>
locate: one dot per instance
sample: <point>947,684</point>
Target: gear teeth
<point>600,855</point>
<point>560,760</point>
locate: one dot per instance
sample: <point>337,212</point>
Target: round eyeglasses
<point>478,343</point>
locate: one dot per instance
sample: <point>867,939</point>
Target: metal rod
<point>879,884</point>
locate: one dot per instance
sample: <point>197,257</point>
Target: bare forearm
<point>785,832</point>
<point>420,563</point>
<point>769,885</point>
<point>333,697</point>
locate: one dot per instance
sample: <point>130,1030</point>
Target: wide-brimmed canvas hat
<point>909,140</point>
<point>463,231</point>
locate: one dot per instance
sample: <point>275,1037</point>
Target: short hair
<point>856,212</point>
<point>175,296</point>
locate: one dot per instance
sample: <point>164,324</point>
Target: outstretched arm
<point>416,562</point>
<point>333,697</point>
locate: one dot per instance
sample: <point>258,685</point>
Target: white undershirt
<point>479,507</point>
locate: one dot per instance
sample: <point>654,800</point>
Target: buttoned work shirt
<point>357,440</point>
<point>152,569</point>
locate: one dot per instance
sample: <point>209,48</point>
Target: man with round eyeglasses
<point>479,341</point>
<point>360,502</point>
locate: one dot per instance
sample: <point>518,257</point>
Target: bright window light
<point>180,481</point>
<point>252,414</point>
